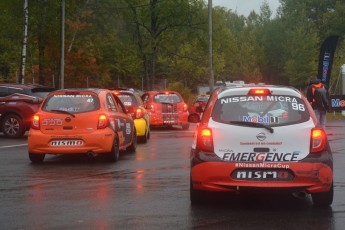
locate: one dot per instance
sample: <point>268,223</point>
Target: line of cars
<point>86,121</point>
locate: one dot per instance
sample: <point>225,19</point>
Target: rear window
<point>167,98</point>
<point>269,110</point>
<point>128,100</point>
<point>73,103</point>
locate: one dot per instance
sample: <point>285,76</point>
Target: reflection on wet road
<point>148,189</point>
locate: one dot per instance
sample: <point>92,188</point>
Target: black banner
<point>327,51</point>
<point>338,102</point>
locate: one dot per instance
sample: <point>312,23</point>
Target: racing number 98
<point>296,106</point>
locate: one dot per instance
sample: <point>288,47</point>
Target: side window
<point>122,108</point>
<point>111,103</point>
<point>4,91</point>
<point>14,90</point>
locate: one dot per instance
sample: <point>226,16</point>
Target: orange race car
<point>81,121</point>
<point>167,108</point>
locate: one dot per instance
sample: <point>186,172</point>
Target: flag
<point>327,51</point>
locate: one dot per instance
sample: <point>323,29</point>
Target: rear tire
<point>115,152</point>
<point>196,196</point>
<point>36,158</point>
<point>133,146</point>
<point>323,199</point>
<point>13,126</point>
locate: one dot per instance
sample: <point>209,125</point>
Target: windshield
<point>72,103</point>
<point>269,110</point>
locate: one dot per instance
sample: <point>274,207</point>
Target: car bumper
<point>100,141</point>
<point>140,126</point>
<point>216,176</point>
<point>158,120</point>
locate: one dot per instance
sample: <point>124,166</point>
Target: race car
<point>167,108</point>
<point>261,138</point>
<point>135,106</point>
<point>81,121</point>
<point>197,107</point>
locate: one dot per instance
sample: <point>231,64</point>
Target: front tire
<point>323,199</point>
<point>13,126</point>
<point>36,158</point>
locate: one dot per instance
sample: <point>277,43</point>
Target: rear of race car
<point>71,123</point>
<point>261,140</point>
<point>168,108</point>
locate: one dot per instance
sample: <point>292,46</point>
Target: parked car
<point>167,108</point>
<point>18,103</point>
<point>135,107</point>
<point>81,121</point>
<point>261,138</point>
<point>197,107</point>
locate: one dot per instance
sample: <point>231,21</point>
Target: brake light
<point>102,121</point>
<point>259,92</point>
<point>35,124</point>
<point>138,113</point>
<point>318,140</point>
<point>185,107</point>
<point>152,108</point>
<point>205,139</point>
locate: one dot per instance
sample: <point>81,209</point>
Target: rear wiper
<point>62,111</point>
<point>252,124</point>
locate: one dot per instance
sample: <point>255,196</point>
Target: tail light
<point>318,140</point>
<point>102,121</point>
<point>185,107</point>
<point>205,139</point>
<point>138,113</point>
<point>35,124</point>
<point>151,107</point>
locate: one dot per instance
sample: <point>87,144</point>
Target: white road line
<point>12,146</point>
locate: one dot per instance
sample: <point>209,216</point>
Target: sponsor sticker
<point>262,174</point>
<point>261,157</point>
<point>67,143</point>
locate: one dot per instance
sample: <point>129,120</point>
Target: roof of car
<point>277,88</point>
<point>94,90</point>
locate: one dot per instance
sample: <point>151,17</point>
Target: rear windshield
<point>72,103</point>
<point>128,100</point>
<point>269,110</point>
<point>202,98</point>
<point>167,98</point>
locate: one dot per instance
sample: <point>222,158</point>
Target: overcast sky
<point>244,7</point>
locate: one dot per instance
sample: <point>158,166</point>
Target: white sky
<point>244,7</point>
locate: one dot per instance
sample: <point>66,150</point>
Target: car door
<point>123,122</point>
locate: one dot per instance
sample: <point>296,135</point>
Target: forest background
<point>154,44</point>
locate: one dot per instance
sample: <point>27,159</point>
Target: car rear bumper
<point>98,142</point>
<point>310,177</point>
<point>158,119</point>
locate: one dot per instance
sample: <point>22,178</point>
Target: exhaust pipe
<point>91,154</point>
<point>300,195</point>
